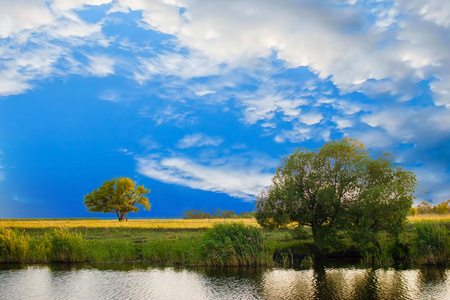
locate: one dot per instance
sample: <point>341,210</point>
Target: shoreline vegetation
<point>210,242</point>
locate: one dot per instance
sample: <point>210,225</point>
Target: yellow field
<point>142,224</point>
<point>154,223</point>
<point>429,218</point>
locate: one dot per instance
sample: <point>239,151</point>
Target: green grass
<point>234,244</point>
<point>190,242</point>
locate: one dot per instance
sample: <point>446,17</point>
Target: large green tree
<point>339,186</point>
<point>119,195</point>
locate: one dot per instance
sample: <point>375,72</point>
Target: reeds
<point>431,243</point>
<point>66,246</point>
<point>60,245</point>
<point>234,244</point>
<point>14,246</point>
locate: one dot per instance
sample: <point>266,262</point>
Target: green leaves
<point>119,195</point>
<point>339,186</point>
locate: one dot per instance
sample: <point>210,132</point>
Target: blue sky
<point>199,100</point>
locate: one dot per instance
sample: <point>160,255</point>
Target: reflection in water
<point>137,281</point>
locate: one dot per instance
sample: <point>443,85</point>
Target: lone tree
<point>119,195</point>
<point>339,186</point>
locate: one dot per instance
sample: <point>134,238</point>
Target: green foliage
<point>424,208</point>
<point>299,233</point>
<point>66,246</point>
<point>216,213</point>
<point>339,186</point>
<point>119,195</point>
<point>14,246</point>
<point>413,211</point>
<point>431,242</point>
<point>442,208</point>
<point>233,244</point>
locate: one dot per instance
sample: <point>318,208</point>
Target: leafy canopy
<point>119,195</point>
<point>339,186</point>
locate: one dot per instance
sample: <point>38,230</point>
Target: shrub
<point>431,242</point>
<point>66,246</point>
<point>14,246</point>
<point>299,233</point>
<point>233,244</point>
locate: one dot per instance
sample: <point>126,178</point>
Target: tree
<point>424,207</point>
<point>119,195</point>
<point>413,211</point>
<point>441,208</point>
<point>339,186</point>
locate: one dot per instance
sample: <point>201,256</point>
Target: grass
<point>430,217</point>
<point>178,241</point>
<point>108,224</point>
<point>234,244</point>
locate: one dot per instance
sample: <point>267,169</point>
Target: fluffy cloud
<point>19,15</point>
<point>229,176</point>
<point>41,40</point>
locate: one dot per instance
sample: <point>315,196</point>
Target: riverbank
<point>176,241</point>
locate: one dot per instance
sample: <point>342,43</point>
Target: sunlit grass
<point>429,217</point>
<point>140,224</point>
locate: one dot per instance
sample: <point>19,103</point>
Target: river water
<point>148,282</point>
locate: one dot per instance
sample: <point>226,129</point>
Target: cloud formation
<point>198,140</point>
<point>297,71</point>
<point>226,175</point>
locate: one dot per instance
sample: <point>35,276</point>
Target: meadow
<point>182,241</point>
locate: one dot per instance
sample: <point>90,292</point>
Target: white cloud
<point>342,122</point>
<point>169,114</point>
<point>434,183</point>
<point>20,67</point>
<point>198,140</point>
<point>100,65</point>
<point>311,118</point>
<point>19,15</point>
<point>65,6</point>
<point>437,11</point>
<point>227,176</point>
<point>184,66</point>
<point>42,35</point>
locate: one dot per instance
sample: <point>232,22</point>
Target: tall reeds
<point>431,243</point>
<point>234,244</point>
<point>66,246</point>
<point>61,245</point>
<point>14,246</point>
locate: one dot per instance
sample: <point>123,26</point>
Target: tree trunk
<point>316,238</point>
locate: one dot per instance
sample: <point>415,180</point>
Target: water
<point>146,282</point>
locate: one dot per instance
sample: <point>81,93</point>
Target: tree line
<point>425,207</point>
<point>215,213</point>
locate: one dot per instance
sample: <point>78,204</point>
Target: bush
<point>66,246</point>
<point>431,242</point>
<point>14,246</point>
<point>233,244</point>
<point>299,233</point>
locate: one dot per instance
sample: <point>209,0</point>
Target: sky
<point>200,100</point>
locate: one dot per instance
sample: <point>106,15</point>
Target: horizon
<point>199,101</point>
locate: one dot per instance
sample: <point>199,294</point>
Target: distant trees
<point>425,207</point>
<point>339,186</point>
<point>215,213</point>
<point>119,195</point>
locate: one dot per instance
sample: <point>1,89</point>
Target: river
<point>137,281</point>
